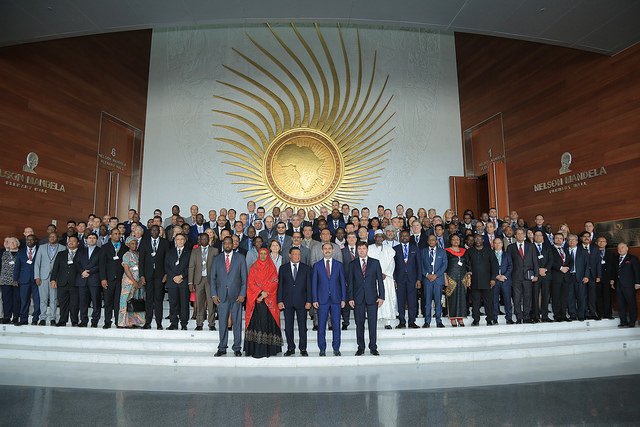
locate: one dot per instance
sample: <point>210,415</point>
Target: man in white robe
<point>385,255</point>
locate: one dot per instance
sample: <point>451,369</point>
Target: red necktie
<point>30,254</point>
<point>561,255</point>
<point>328,268</point>
<point>227,263</point>
<point>521,250</point>
<point>364,266</point>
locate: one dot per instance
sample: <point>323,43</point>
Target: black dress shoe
<point>331,328</point>
<point>237,353</point>
<point>413,326</point>
<point>74,325</point>
<point>172,328</point>
<point>42,323</point>
<point>475,324</point>
<point>220,353</point>
<point>315,328</point>
<point>60,325</point>
<point>22,323</point>
<point>344,327</point>
<point>167,318</point>
<point>622,325</point>
<point>34,323</point>
<point>146,326</point>
<point>159,327</point>
<point>359,352</point>
<point>426,325</point>
<point>323,353</point>
<point>184,327</point>
<point>304,353</point>
<point>518,322</point>
<point>388,327</point>
<point>94,325</point>
<point>198,328</point>
<point>53,323</point>
<point>82,325</point>
<point>401,326</point>
<point>440,325</point>
<point>212,328</point>
<point>375,353</point>
<point>337,353</point>
<point>631,325</point>
<point>289,353</point>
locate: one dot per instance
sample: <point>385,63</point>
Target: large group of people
<point>394,267</point>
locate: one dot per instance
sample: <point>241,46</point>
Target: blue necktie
<point>406,252</point>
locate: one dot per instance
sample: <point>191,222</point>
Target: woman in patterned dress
<point>130,287</point>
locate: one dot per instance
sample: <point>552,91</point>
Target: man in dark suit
<point>407,276</point>
<point>23,274</point>
<point>544,253</point>
<point>176,267</point>
<point>366,295</point>
<point>434,265</point>
<point>418,235</point>
<point>605,264</point>
<point>63,278</point>
<point>335,222</point>
<point>525,271</point>
<point>503,282</point>
<point>484,267</point>
<point>294,297</point>
<point>329,291</point>
<point>586,259</point>
<point>88,281</point>
<point>349,253</point>
<point>153,250</point>
<point>627,282</point>
<point>229,290</point>
<point>281,236</point>
<point>111,272</point>
<point>561,278</point>
<point>198,228</point>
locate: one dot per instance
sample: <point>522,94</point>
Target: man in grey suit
<point>45,257</point>
<point>228,290</point>
<point>281,236</point>
<point>296,242</point>
<point>200,264</point>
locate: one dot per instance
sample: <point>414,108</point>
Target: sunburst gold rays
<point>323,138</point>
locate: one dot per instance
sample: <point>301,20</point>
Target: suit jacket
<point>111,269</point>
<point>367,288</point>
<point>152,266</point>
<point>62,272</point>
<point>522,265</point>
<point>195,264</point>
<point>43,264</point>
<point>346,258</point>
<point>484,266</point>
<point>193,231</point>
<point>316,253</point>
<point>585,259</point>
<point>88,263</point>
<point>290,230</point>
<point>410,271</point>
<point>545,258</point>
<point>267,235</point>
<point>174,266</point>
<point>440,266</point>
<point>557,275</point>
<point>422,241</point>
<point>294,293</point>
<point>305,254</point>
<point>22,269</point>
<point>229,286</point>
<point>286,240</point>
<point>332,228</point>
<point>605,266</point>
<point>328,290</point>
<point>504,267</point>
<point>627,274</point>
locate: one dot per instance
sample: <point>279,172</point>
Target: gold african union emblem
<point>321,143</point>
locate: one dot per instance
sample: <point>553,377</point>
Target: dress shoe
<point>475,323</point>
<point>146,326</point>
<point>82,325</point>
<point>546,320</point>
<point>34,323</point>
<point>212,328</point>
<point>159,327</point>
<point>172,328</point>
<point>4,321</point>
<point>530,321</point>
<point>198,328</point>
<point>440,325</point>
<point>167,318</point>
<point>183,328</point>
<point>106,326</point>
<point>518,322</point>
<point>304,353</point>
<point>413,326</point>
<point>375,353</point>
<point>359,352</point>
<point>22,323</point>
<point>220,353</point>
<point>94,325</point>
<point>323,353</point>
<point>237,353</point>
<point>536,320</point>
<point>581,319</point>
<point>461,324</point>
<point>401,326</point>
<point>388,327</point>
<point>631,325</point>
<point>61,325</point>
<point>53,323</point>
<point>315,328</point>
<point>74,325</point>
<point>622,325</point>
<point>230,328</point>
<point>344,327</point>
<point>597,318</point>
<point>42,323</point>
<point>426,325</point>
<point>337,353</point>
<point>568,319</point>
<point>289,353</point>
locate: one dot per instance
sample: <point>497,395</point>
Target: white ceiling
<point>605,26</point>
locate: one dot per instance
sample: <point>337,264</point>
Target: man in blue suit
<point>503,282</point>
<point>294,297</point>
<point>198,228</point>
<point>329,292</point>
<point>366,295</point>
<point>335,221</point>
<point>228,290</point>
<point>23,274</point>
<point>407,275</point>
<point>434,265</point>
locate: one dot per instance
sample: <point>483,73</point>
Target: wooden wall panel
<point>555,100</point>
<point>51,98</point>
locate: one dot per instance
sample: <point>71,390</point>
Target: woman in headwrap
<point>263,337</point>
<point>131,287</point>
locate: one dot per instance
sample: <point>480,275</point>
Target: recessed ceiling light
<point>542,9</point>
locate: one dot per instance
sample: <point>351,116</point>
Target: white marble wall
<point>181,161</point>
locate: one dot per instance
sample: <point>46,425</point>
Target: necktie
<point>71,254</point>
<point>440,242</point>
<point>364,266</point>
<point>281,240</point>
<point>539,247</point>
<point>406,252</point>
<point>295,271</point>
<point>602,254</point>
<point>491,240</point>
<point>30,254</point>
<point>179,253</point>
<point>561,254</point>
<point>328,268</point>
<point>621,259</point>
<point>227,263</point>
<point>335,224</point>
<point>417,237</point>
<point>155,245</point>
<point>353,254</point>
<point>521,250</point>
<point>432,260</point>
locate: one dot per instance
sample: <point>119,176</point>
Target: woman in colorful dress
<point>262,337</point>
<point>10,289</point>
<point>130,287</point>
<point>455,288</point>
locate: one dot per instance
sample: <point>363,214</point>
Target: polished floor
<point>602,401</point>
